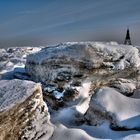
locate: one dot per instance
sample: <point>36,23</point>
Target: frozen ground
<point>69,120</point>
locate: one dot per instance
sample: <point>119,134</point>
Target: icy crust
<point>95,54</point>
<point>21,90</point>
<point>123,111</point>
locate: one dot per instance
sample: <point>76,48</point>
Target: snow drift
<point>107,104</point>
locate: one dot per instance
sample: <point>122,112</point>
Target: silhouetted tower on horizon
<point>127,38</point>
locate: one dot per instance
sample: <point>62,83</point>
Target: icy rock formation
<point>23,113</point>
<point>107,104</point>
<point>68,60</point>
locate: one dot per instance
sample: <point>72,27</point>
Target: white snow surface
<point>104,132</point>
<point>85,132</point>
<point>131,137</point>
<point>67,115</point>
<point>112,101</point>
<point>126,110</point>
<point>63,133</point>
<point>83,105</point>
<point>58,94</point>
<point>21,90</point>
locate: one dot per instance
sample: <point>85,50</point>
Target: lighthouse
<point>127,38</point>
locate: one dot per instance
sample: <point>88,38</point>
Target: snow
<point>50,88</point>
<point>104,132</point>
<point>83,105</point>
<point>53,89</point>
<point>8,73</point>
<point>16,66</point>
<point>67,115</point>
<point>14,58</point>
<point>21,90</point>
<point>58,94</point>
<point>125,86</point>
<point>130,54</point>
<point>126,55</point>
<point>63,133</point>
<point>91,133</point>
<point>40,128</point>
<point>131,137</point>
<point>125,109</point>
<point>113,102</point>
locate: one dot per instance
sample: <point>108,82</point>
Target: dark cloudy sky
<point>42,22</point>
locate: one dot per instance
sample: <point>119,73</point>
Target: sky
<point>44,22</point>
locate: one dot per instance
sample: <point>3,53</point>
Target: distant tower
<point>127,38</point>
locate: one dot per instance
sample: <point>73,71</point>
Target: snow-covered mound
<point>109,104</point>
<point>74,58</point>
<point>63,133</point>
<point>23,113</point>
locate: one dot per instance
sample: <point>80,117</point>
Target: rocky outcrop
<point>76,60</point>
<point>23,113</point>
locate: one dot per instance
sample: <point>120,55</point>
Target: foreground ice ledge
<point>23,113</point>
<point>76,57</point>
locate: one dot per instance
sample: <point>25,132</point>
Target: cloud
<point>28,12</point>
<point>62,20</point>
